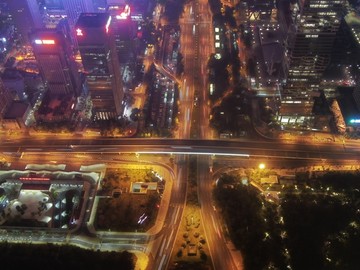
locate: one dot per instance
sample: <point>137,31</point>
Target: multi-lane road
<point>245,148</point>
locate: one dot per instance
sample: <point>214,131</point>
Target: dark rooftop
<point>11,74</point>
<point>16,109</point>
<point>92,20</point>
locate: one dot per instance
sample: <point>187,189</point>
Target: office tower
<point>311,35</point>
<point>99,5</point>
<point>56,62</point>
<point>124,31</point>
<point>115,2</point>
<point>54,4</point>
<point>100,63</point>
<point>75,7</point>
<point>26,16</point>
<point>54,12</point>
<point>5,99</point>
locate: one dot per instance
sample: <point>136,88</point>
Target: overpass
<point>243,148</point>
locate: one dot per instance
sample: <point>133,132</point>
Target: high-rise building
<point>124,31</point>
<point>5,99</point>
<point>53,13</point>
<point>311,36</point>
<point>100,62</point>
<point>100,5</point>
<point>75,7</point>
<point>27,17</point>
<point>56,62</point>
<point>54,4</point>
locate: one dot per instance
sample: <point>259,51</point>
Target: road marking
<point>161,262</point>
<point>216,229</point>
<point>172,231</point>
<point>177,213</point>
<point>162,247</point>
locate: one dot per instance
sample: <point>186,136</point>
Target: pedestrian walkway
<point>164,205</point>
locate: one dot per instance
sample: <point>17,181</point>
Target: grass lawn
<point>127,211</point>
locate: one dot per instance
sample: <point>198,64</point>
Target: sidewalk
<point>164,205</point>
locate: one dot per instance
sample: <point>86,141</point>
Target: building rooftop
<point>11,74</point>
<point>92,20</point>
<point>17,109</point>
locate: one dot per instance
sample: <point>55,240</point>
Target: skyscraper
<point>26,16</point>
<point>75,7</point>
<point>53,4</point>
<point>5,99</point>
<point>124,31</point>
<point>69,9</point>
<point>56,62</point>
<point>310,41</point>
<point>100,63</point>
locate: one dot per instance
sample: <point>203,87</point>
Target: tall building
<point>311,36</point>
<point>100,5</point>
<point>124,31</point>
<point>53,17</point>
<point>27,17</point>
<point>100,63</point>
<point>75,7</point>
<point>5,99</point>
<point>56,62</point>
<point>53,4</point>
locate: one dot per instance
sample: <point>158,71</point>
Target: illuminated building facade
<point>259,10</point>
<point>56,62</point>
<point>124,30</point>
<point>100,63</point>
<point>52,17</point>
<point>310,42</point>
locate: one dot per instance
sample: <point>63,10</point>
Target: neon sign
<point>124,14</point>
<point>44,41</point>
<point>108,24</point>
<point>79,32</point>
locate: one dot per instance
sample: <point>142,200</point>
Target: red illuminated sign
<point>124,14</point>
<point>108,24</point>
<point>79,32</point>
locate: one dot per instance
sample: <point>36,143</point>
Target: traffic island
<point>190,248</point>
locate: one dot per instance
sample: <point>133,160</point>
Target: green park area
<point>126,202</point>
<point>315,223</point>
